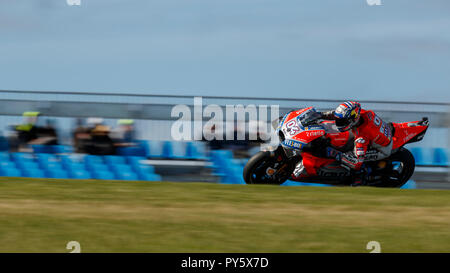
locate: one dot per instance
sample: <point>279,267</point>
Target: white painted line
<point>432,169</point>
<point>177,163</point>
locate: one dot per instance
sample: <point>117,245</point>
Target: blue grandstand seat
<point>43,149</point>
<point>44,162</point>
<point>56,173</point>
<point>127,175</point>
<point>74,166</point>
<point>93,159</point>
<point>222,153</point>
<point>23,165</point>
<point>21,157</point>
<point>11,172</point>
<point>104,175</point>
<point>135,160</point>
<point>117,168</point>
<point>97,167</point>
<point>65,159</point>
<point>114,159</point>
<point>38,173</point>
<point>422,156</point>
<point>68,160</point>
<point>141,168</point>
<point>50,165</point>
<point>221,158</point>
<point>177,149</point>
<point>229,169</point>
<point>149,177</point>
<point>167,149</point>
<point>440,157</point>
<point>79,174</point>
<point>52,149</point>
<point>4,156</point>
<point>45,157</point>
<point>196,150</point>
<point>138,150</point>
<point>61,149</point>
<point>4,144</point>
<point>153,148</point>
<point>7,164</point>
<point>146,145</point>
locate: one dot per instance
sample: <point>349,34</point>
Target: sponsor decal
<point>313,127</point>
<point>333,173</point>
<point>292,143</point>
<point>408,136</point>
<point>315,133</point>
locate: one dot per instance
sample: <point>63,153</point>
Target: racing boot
<point>299,170</point>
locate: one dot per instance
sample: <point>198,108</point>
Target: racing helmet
<point>347,115</point>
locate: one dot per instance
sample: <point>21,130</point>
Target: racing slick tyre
<point>267,168</point>
<point>402,165</point>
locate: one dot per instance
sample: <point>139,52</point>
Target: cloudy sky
<point>334,49</point>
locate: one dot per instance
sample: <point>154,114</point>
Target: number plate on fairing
<point>296,135</point>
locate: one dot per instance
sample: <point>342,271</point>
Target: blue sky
<point>291,48</point>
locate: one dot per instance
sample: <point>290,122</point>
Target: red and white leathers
<point>370,131</point>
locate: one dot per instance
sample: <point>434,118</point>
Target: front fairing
<point>294,135</point>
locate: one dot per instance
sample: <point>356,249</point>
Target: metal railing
<point>158,106</point>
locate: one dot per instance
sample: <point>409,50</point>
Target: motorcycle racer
<point>368,130</point>
<point>314,146</point>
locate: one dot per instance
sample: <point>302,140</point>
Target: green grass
<point>42,215</point>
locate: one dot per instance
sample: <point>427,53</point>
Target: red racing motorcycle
<point>304,136</point>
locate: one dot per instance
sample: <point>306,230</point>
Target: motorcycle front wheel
<point>268,168</point>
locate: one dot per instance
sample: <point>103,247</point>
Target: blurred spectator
<point>27,130</point>
<point>100,143</point>
<point>46,135</point>
<point>29,133</point>
<point>81,135</point>
<point>125,133</point>
<point>93,138</point>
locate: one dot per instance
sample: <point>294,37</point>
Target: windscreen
<point>308,117</point>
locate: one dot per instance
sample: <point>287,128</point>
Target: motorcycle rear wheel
<point>408,165</point>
